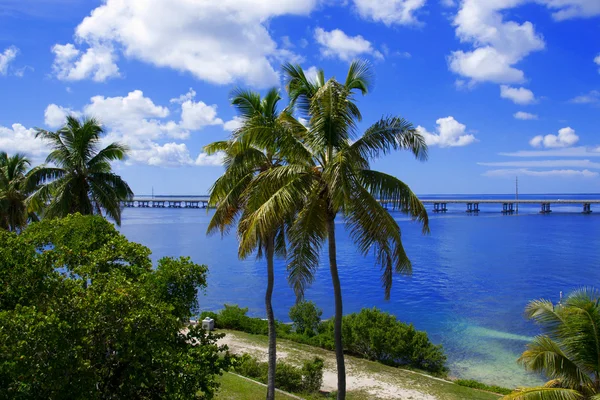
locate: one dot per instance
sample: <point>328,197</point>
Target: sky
<point>498,88</point>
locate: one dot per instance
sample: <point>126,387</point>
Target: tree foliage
<point>568,351</point>
<point>83,315</point>
<point>17,182</point>
<point>306,317</point>
<point>81,179</point>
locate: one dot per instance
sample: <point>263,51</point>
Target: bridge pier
<point>440,207</point>
<point>158,204</point>
<point>472,207</point>
<point>546,208</point>
<point>587,208</point>
<point>508,208</point>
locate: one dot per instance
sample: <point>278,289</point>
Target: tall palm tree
<point>16,184</point>
<point>82,180</point>
<point>333,177</point>
<point>245,160</point>
<point>568,351</point>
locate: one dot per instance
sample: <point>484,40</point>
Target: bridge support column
<point>476,208</point>
<point>587,208</point>
<point>546,208</point>
<point>508,208</point>
<point>444,208</point>
<point>469,207</point>
<point>436,207</point>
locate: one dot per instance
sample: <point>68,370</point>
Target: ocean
<point>472,276</point>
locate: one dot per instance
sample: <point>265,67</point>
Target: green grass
<point>390,376</point>
<point>235,388</point>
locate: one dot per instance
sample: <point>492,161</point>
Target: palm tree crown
<point>82,179</point>
<point>568,351</point>
<point>16,184</point>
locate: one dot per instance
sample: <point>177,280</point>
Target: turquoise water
<point>472,276</point>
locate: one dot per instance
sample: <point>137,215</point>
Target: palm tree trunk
<point>270,250</point>
<point>337,292</point>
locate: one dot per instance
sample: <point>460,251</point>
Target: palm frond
<point>543,393</point>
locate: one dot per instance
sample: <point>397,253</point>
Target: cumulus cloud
<point>337,44</point>
<point>566,138</point>
<point>524,116</point>
<point>233,124</point>
<point>450,133</point>
<point>597,61</point>
<point>517,95</point>
<point>138,122</point>
<point>499,44</point>
<point>560,173</point>
<point>55,116</point>
<point>216,41</point>
<point>19,139</point>
<point>389,12</point>
<point>568,9</point>
<point>97,62</point>
<point>6,57</point>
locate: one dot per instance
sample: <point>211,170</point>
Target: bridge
<point>509,206</point>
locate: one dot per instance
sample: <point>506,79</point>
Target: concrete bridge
<point>509,206</point>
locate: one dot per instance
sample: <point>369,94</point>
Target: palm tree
<point>232,193</point>
<point>82,180</point>
<point>333,176</point>
<point>568,351</point>
<point>16,184</point>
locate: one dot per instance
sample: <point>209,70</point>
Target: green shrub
<point>379,336</point>
<point>482,386</point>
<point>312,375</point>
<point>288,378</point>
<point>306,317</point>
<point>307,379</point>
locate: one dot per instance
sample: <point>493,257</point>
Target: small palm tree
<point>568,352</point>
<point>16,184</point>
<point>82,180</point>
<point>233,195</point>
<point>331,176</point>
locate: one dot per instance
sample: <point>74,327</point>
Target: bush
<point>379,336</point>
<point>482,386</point>
<point>306,317</point>
<point>234,317</point>
<point>307,379</point>
<point>312,375</point>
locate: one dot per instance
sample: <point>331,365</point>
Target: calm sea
<point>472,276</point>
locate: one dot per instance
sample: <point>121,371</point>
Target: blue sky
<point>499,88</point>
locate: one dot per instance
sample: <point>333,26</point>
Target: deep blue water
<point>472,276</point>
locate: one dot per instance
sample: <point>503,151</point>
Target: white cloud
<point>524,116</point>
<point>55,116</point>
<point>214,160</point>
<point>450,133</point>
<point>390,12</point>
<point>19,139</point>
<point>568,9</point>
<point>517,95</point>
<point>217,41</point>
<point>566,138</point>
<point>590,98</point>
<point>499,45</point>
<point>564,152</point>
<point>233,124</point>
<point>136,121</point>
<point>6,57</point>
<point>559,173</point>
<point>337,44</point>
<point>98,63</point>
<point>544,164</point>
<point>448,3</point>
<point>597,61</point>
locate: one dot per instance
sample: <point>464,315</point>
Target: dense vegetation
<point>307,379</point>
<point>370,334</point>
<point>83,315</point>
<point>568,351</point>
